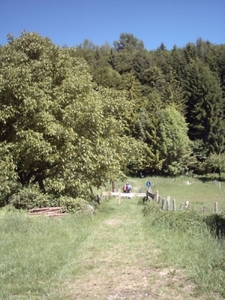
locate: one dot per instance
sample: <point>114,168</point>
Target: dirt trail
<point>116,260</point>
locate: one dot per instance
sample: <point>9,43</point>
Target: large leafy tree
<point>63,132</point>
<point>214,163</point>
<point>173,141</point>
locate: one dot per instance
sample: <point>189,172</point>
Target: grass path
<point>118,261</point>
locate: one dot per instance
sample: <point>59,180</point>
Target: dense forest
<point>78,117</point>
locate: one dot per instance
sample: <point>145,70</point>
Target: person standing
<point>125,188</point>
<point>129,188</point>
<point>149,189</point>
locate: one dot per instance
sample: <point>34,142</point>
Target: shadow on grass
<point>214,177</point>
<point>216,223</point>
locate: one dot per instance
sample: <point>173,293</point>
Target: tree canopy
<point>73,118</point>
<point>63,130</point>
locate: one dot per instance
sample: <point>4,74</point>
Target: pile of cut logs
<point>47,211</point>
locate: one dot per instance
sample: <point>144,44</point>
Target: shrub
<point>28,198</point>
<point>183,220</point>
<point>216,224</point>
<point>5,193</point>
<point>75,205</point>
<point>7,209</point>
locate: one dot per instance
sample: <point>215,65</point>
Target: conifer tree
<point>205,113</point>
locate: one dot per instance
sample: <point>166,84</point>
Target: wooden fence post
<point>168,203</point>
<point>149,190</point>
<point>113,186</point>
<point>159,200</point>
<point>174,205</point>
<point>216,208</point>
<point>119,197</point>
<point>182,206</point>
<point>163,201</point>
<point>157,196</point>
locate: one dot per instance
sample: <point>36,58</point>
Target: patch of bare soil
<point>121,269</point>
<point>112,222</point>
<point>132,283</point>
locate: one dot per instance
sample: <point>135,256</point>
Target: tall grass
<point>36,252</point>
<point>186,242</point>
<point>33,251</point>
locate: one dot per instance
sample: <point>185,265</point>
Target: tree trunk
<point>25,178</point>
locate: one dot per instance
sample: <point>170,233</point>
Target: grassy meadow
<point>119,252</point>
<point>201,193</point>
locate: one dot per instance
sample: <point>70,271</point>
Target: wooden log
<point>49,212</point>
<point>45,209</point>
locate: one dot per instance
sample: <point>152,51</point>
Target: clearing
<point>118,261</point>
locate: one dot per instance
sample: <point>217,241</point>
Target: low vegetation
<point>122,251</point>
<point>185,241</point>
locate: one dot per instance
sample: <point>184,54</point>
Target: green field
<point>200,193</point>
<point>118,253</point>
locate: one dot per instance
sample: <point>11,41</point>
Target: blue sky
<point>70,22</point>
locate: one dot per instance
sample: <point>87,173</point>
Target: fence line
<point>165,204</point>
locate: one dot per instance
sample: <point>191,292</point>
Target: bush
<point>5,193</point>
<point>75,205</point>
<point>183,220</point>
<point>27,198</point>
<point>216,224</point>
<point>7,209</point>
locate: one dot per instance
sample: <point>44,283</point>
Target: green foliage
<point>173,141</point>
<point>205,113</point>
<point>216,223</point>
<point>106,76</point>
<point>7,169</point>
<point>128,42</point>
<point>27,198</point>
<point>78,205</point>
<point>75,118</point>
<point>60,126</point>
<point>214,163</point>
<point>174,76</point>
<point>184,221</point>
